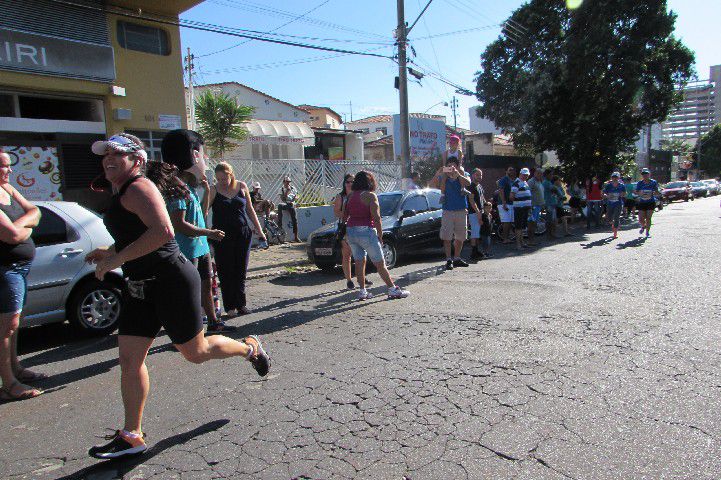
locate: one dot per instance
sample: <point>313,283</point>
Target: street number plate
<point>324,252</point>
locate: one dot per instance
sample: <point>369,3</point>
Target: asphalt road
<point>584,359</point>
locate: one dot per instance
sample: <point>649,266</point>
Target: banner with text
<point>35,172</point>
<point>428,137</point>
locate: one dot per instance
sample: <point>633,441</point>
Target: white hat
<point>616,174</point>
<point>256,185</point>
<point>119,143</point>
<point>525,171</point>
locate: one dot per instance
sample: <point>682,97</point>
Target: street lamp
<point>445,104</point>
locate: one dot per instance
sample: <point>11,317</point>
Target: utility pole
<point>350,104</point>
<point>403,92</point>
<point>454,105</point>
<point>191,93</point>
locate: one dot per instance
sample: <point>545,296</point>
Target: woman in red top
<point>594,196</point>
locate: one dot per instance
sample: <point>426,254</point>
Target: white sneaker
<point>364,295</point>
<point>397,292</point>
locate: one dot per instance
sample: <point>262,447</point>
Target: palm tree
<point>220,121</point>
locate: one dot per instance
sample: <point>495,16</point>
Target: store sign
<point>427,137</point>
<point>30,52</point>
<point>169,122</point>
<point>282,140</point>
<point>35,172</point>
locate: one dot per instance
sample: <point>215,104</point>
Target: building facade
<point>74,72</point>
<point>322,117</point>
<point>699,111</point>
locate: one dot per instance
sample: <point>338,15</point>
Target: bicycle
<point>274,234</point>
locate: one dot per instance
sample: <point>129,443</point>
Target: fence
<point>317,181</point>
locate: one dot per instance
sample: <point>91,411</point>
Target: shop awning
<point>276,131</point>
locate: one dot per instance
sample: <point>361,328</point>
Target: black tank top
<point>229,215</point>
<point>15,253</point>
<point>126,227</point>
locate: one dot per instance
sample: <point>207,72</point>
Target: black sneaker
<point>350,284</point>
<point>459,262</point>
<point>368,282</point>
<point>261,360</point>
<point>449,265</point>
<point>120,445</point>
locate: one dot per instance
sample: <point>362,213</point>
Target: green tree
<point>220,121</point>
<point>676,146</point>
<point>709,145</point>
<point>583,82</point>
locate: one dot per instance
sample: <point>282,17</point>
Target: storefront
<point>336,145</point>
<point>273,140</point>
<point>71,73</point>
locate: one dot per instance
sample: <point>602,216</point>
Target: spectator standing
<point>288,196</point>
<point>593,201</point>
<point>18,217</point>
<point>505,207</point>
<point>614,192</point>
<point>365,234</point>
<point>551,197</point>
<point>486,229</point>
<point>478,199</point>
<point>339,209</point>
<point>452,181</point>
<point>233,213</point>
<point>646,193</point>
<point>560,194</point>
<point>577,193</point>
<point>183,150</point>
<point>521,197</point>
<point>538,202</point>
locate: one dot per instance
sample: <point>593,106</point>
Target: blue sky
<point>368,82</point>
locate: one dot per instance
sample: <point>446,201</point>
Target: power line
<point>459,32</point>
<point>207,27</point>
<point>274,30</point>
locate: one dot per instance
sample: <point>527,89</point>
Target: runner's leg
<point>134,379</point>
<point>200,348</point>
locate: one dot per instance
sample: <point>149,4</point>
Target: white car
<point>61,285</point>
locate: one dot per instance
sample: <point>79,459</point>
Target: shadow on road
<point>598,243</point>
<point>112,469</point>
<point>636,242</point>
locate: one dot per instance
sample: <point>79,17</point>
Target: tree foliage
<point>583,82</point>
<point>220,121</point>
<point>676,146</point>
<point>709,145</point>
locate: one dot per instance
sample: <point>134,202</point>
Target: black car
<point>411,221</point>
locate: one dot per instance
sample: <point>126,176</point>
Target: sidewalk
<point>279,260</point>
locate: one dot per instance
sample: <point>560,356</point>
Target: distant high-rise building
<point>699,111</point>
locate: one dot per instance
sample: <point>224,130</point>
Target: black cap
<point>178,145</point>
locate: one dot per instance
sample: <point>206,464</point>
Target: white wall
<point>354,146</point>
<point>480,124</point>
<point>372,126</point>
<point>265,108</point>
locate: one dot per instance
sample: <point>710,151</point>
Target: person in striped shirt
<point>522,202</point>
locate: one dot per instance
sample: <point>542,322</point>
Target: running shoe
<point>459,262</point>
<point>120,445</point>
<point>260,359</point>
<point>349,284</point>
<point>220,327</point>
<point>648,233</point>
<point>368,282</point>
<point>640,232</point>
<point>397,292</point>
<point>364,295</point>
<point>449,265</point>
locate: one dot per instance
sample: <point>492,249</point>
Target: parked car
<point>61,285</point>
<point>673,191</point>
<point>713,186</point>
<point>411,221</point>
<point>699,189</point>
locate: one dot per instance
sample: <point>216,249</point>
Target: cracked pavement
<point>581,359</point>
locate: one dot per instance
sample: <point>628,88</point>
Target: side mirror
<point>408,213</point>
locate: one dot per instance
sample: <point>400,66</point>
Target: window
<point>143,38</point>
<point>7,105</point>
<point>152,141</point>
<point>275,151</point>
<point>434,199</point>
<point>417,203</point>
<point>255,151</point>
<point>60,109</point>
<point>51,230</point>
<point>383,130</point>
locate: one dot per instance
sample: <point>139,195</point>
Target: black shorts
<point>171,301</point>
<point>646,206</point>
<point>520,217</point>
<point>574,202</point>
<point>629,202</point>
<point>203,264</point>
<point>561,212</point>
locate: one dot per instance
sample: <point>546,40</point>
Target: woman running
<point>365,234</point>
<point>614,192</point>
<point>163,289</point>
<point>232,207</point>
<point>339,205</point>
<point>646,193</point>
<point>18,217</point>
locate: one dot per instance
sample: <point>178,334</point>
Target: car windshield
<point>389,203</point>
<point>709,182</point>
<point>697,184</point>
<point>676,185</point>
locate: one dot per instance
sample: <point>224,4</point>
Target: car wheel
<point>390,254</point>
<point>95,308</point>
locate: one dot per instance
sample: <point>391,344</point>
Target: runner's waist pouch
<point>141,289</point>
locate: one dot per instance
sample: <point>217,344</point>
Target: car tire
<point>390,254</point>
<point>94,308</point>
